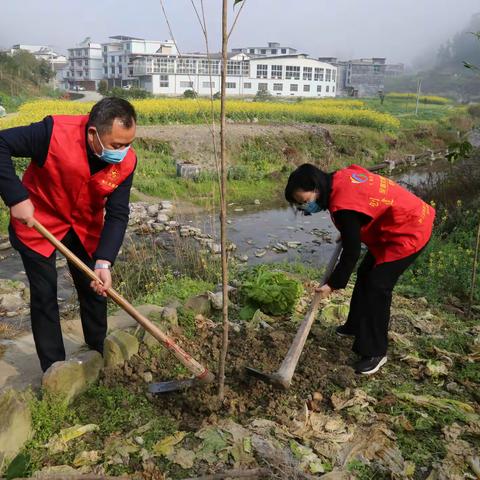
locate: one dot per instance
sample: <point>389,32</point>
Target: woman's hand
<point>23,212</point>
<point>324,291</point>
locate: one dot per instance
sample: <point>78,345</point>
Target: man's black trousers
<point>44,312</point>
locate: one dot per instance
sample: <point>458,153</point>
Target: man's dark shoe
<point>369,365</point>
<point>343,331</point>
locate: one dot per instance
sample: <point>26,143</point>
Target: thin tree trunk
<point>223,207</point>
<point>474,272</point>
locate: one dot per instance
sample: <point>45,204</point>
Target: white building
<point>272,49</point>
<point>118,54</point>
<point>85,66</point>
<point>43,52</point>
<point>281,75</point>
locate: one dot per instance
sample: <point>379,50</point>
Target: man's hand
<point>324,291</point>
<point>105,276</point>
<point>23,212</point>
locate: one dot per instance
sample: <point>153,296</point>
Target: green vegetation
<point>271,291</point>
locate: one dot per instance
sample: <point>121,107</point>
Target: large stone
<point>188,170</point>
<point>70,378</point>
<point>199,304</point>
<point>118,347</point>
<point>15,424</point>
<point>169,315</point>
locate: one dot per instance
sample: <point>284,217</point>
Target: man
<point>78,186</point>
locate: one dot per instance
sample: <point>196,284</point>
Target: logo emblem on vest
<point>114,173</point>
<point>358,178</point>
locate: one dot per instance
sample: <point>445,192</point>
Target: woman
<point>392,222</point>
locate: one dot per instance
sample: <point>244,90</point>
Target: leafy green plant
<point>273,291</point>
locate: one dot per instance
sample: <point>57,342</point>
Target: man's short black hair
<point>107,110</point>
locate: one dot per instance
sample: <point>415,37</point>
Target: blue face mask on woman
<point>112,156</point>
<point>310,207</point>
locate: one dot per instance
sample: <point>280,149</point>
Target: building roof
<point>125,37</point>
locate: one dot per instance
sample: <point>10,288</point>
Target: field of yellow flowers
<point>187,111</point>
<point>428,99</point>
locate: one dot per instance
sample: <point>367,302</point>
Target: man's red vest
<point>401,222</point>
<point>64,193</point>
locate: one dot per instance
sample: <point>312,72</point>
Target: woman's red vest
<point>401,222</point>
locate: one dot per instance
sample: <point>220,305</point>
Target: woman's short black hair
<point>107,110</point>
<point>306,177</point>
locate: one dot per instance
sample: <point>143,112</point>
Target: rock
<point>70,378</point>
<point>15,424</point>
<point>147,377</point>
<point>238,209</point>
<point>260,319</point>
<point>166,205</point>
<point>169,314</point>
<point>199,304</point>
<point>215,248</point>
<point>260,253</point>
<point>4,246</point>
<point>280,248</point>
<point>256,201</point>
<point>119,346</point>
<point>293,244</point>
<point>242,258</point>
<point>188,170</point>
<point>216,299</point>
<point>152,210</point>
<point>162,218</point>
<point>158,227</point>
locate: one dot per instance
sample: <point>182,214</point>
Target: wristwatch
<point>102,266</point>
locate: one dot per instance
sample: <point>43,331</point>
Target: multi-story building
<point>43,52</point>
<point>85,68</point>
<point>364,77</point>
<point>272,49</point>
<point>118,55</point>
<point>280,75</point>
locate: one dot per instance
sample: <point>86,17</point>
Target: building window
<point>245,68</point>
<point>252,50</point>
<point>105,48</point>
<point>319,88</point>
<point>327,89</point>
<point>328,75</point>
<point>105,59</point>
<point>233,67</point>
<point>263,87</point>
<point>105,70</point>
<point>112,70</point>
<point>186,65</point>
<point>112,59</point>
<point>208,67</point>
<point>130,71</point>
<point>263,51</point>
<point>376,69</point>
<point>164,65</point>
<point>277,71</point>
<point>120,69</point>
<point>284,50</point>
<point>274,51</point>
<point>318,77</point>
<point>333,88</point>
<point>247,85</point>
<point>292,73</point>
<point>231,84</point>
<point>334,75</point>
<point>307,73</point>
<point>278,87</point>
<point>186,84</point>
<point>306,88</point>
<point>262,71</point>
<point>163,81</point>
<point>294,87</point>
<point>208,84</point>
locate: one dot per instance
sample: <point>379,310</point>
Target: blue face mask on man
<point>111,156</point>
<point>310,207</point>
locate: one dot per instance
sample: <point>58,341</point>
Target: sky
<point>400,30</point>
